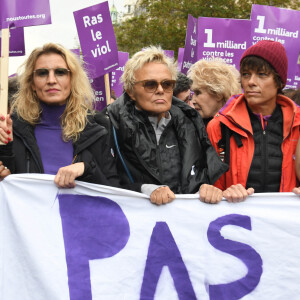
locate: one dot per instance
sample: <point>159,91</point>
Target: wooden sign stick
<point>107,88</point>
<point>4,71</point>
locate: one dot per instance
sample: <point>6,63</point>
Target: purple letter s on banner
<point>93,228</point>
<point>163,251</point>
<point>253,261</point>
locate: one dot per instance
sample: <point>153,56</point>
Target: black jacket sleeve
<point>7,157</point>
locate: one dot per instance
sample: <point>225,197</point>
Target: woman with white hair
<point>52,128</point>
<point>161,141</point>
<point>214,82</point>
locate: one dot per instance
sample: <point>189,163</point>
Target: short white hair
<point>139,59</point>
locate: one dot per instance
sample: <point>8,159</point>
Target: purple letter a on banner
<point>163,251</point>
<point>93,228</point>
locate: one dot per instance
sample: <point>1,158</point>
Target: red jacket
<point>235,116</point>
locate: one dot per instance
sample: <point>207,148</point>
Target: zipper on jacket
<point>282,173</point>
<point>264,150</point>
<point>142,161</point>
<point>158,156</point>
<point>29,150</point>
<point>74,159</point>
<point>27,161</point>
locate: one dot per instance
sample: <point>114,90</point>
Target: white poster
<point>96,242</point>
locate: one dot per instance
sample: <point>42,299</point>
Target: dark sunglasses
<point>151,86</point>
<point>58,72</point>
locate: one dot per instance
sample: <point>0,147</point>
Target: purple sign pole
<point>97,39</point>
<point>224,39</point>
<point>16,42</point>
<point>98,85</point>
<point>180,59</point>
<point>20,13</point>
<point>191,45</point>
<point>115,83</point>
<point>281,25</point>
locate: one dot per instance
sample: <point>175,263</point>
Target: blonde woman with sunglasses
<point>51,128</point>
<point>161,141</point>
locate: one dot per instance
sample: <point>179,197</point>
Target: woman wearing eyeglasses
<point>161,141</point>
<point>51,128</point>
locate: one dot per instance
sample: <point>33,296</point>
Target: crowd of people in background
<point>217,132</point>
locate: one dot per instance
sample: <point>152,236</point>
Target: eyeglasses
<point>151,86</point>
<point>189,97</point>
<point>59,73</point>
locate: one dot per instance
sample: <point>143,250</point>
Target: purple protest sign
<point>169,53</point>
<point>115,83</point>
<point>191,46</point>
<point>20,13</point>
<point>97,39</point>
<point>224,39</point>
<point>16,42</point>
<point>180,59</point>
<point>98,85</point>
<point>281,25</point>
<point>297,77</point>
<point>77,52</point>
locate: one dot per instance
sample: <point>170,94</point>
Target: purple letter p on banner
<point>93,228</point>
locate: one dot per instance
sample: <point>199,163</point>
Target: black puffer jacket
<point>23,155</point>
<point>184,158</point>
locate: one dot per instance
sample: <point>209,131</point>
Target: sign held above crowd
<point>17,13</point>
<point>20,13</point>
<point>227,39</point>
<point>97,39</point>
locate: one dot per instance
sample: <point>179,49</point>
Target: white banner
<point>96,242</point>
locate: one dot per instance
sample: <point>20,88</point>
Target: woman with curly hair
<point>51,128</point>
<point>213,83</point>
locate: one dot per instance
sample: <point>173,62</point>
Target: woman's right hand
<point>162,195</point>
<point>6,129</point>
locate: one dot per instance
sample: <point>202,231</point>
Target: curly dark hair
<point>183,83</point>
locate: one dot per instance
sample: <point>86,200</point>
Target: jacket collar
<point>92,132</point>
<point>25,131</point>
<point>235,111</point>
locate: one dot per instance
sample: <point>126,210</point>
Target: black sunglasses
<point>58,72</point>
<point>151,86</point>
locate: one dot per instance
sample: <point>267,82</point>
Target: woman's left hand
<point>65,177</point>
<point>296,190</point>
<point>210,194</point>
<point>3,171</point>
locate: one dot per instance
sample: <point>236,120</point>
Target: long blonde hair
<point>74,118</point>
